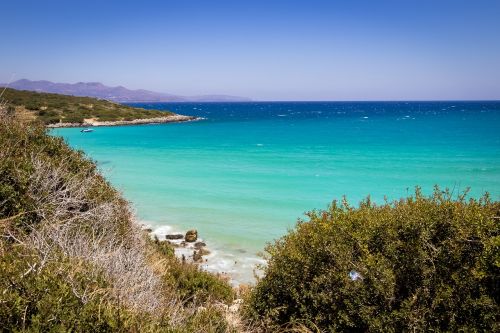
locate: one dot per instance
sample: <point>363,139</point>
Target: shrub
<point>50,296</point>
<point>73,118</point>
<point>192,284</point>
<point>33,106</point>
<point>198,286</point>
<point>71,257</point>
<point>421,263</point>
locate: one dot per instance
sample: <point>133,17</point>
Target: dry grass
<point>90,230</point>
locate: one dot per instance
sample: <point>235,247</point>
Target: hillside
<point>62,109</point>
<point>73,259</point>
<point>115,94</point>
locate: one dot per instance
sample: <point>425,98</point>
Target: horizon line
<point>249,99</point>
<point>320,101</point>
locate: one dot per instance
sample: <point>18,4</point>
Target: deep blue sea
<point>244,174</point>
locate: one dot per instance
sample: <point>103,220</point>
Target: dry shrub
<point>55,204</point>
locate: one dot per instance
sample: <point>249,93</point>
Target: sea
<point>244,174</point>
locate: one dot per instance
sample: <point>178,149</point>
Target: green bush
<point>72,118</point>
<point>192,284</point>
<point>198,286</point>
<point>32,105</point>
<point>418,264</point>
<point>38,297</point>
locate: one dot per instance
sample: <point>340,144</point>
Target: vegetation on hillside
<point>418,264</point>
<point>55,108</point>
<point>71,257</point>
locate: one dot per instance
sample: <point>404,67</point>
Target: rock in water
<point>191,236</point>
<point>174,236</point>
<point>197,256</point>
<point>199,245</point>
<point>203,252</point>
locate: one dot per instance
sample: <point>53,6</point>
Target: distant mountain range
<point>115,94</point>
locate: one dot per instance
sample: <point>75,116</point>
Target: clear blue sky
<point>266,50</point>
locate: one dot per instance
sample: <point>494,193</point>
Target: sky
<point>264,50</point>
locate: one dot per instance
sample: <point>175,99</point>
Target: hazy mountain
<point>116,94</point>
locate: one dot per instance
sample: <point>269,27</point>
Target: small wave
<point>163,230</point>
<point>240,269</point>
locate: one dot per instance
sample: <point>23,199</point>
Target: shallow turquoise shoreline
<point>244,175</point>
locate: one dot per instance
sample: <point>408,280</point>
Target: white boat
<point>86,130</point>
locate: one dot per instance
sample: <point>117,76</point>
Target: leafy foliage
<point>55,108</point>
<point>421,263</point>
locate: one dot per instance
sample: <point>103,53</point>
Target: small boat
<point>87,130</point>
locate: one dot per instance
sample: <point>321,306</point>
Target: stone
<point>203,252</point>
<point>174,236</point>
<point>173,244</point>
<point>197,256</point>
<point>199,245</point>
<point>191,236</point>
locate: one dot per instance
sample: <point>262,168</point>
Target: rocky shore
<point>239,269</point>
<point>187,246</point>
<point>159,120</point>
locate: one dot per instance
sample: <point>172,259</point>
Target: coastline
<point>238,270</point>
<point>92,122</point>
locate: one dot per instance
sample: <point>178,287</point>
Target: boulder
<point>174,236</point>
<point>197,256</point>
<point>199,245</point>
<point>191,236</point>
<point>203,252</point>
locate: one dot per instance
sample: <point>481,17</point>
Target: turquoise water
<point>245,174</point>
